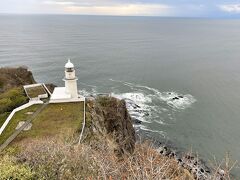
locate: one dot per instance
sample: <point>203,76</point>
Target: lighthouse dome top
<point>69,64</point>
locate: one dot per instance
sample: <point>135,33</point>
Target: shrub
<point>10,169</point>
<point>52,159</point>
<point>3,118</point>
<point>1,84</point>
<point>5,104</point>
<point>12,99</point>
<point>57,159</point>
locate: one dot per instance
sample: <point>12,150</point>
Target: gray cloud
<point>230,8</point>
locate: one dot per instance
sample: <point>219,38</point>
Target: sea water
<point>180,77</point>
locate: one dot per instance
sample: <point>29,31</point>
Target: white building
<point>69,93</point>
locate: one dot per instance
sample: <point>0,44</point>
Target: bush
<point>1,84</point>
<point>3,118</point>
<point>5,104</point>
<point>57,159</point>
<point>10,169</point>
<point>12,99</point>
<point>109,102</point>
<point>53,159</point>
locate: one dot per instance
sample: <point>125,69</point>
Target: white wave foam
<point>84,92</point>
<point>138,105</point>
<point>173,99</point>
<point>149,105</point>
<point>135,97</point>
<point>144,128</point>
<point>159,121</point>
<point>183,102</point>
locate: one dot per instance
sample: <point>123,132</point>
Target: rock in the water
<point>175,98</point>
<point>136,121</point>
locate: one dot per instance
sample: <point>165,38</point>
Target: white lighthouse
<point>69,93</point>
<point>70,80</point>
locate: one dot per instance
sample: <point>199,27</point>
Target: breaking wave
<point>148,105</point>
<point>138,105</point>
<point>173,99</point>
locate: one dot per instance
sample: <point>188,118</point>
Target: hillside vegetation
<point>11,99</point>
<point>57,159</point>
<point>108,150</point>
<point>15,77</point>
<point>54,120</point>
<point>12,93</point>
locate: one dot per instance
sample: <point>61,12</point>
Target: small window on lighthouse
<point>69,69</point>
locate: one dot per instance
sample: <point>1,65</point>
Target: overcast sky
<point>179,8</point>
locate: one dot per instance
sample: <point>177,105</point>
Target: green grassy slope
<point>55,119</point>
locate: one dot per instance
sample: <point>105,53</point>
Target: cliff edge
<point>110,120</point>
<point>15,77</point>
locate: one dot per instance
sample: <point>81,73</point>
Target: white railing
<point>84,120</point>
<point>47,89</point>
<point>30,103</point>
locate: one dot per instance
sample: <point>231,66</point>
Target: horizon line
<point>107,15</point>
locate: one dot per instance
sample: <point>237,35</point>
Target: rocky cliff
<point>110,120</point>
<point>15,77</point>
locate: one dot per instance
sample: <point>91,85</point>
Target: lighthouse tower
<point>69,93</point>
<point>70,80</point>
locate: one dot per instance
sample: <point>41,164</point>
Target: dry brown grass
<point>224,168</point>
<point>56,159</point>
<point>60,158</point>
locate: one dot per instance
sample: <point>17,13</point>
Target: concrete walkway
<point>18,131</point>
<point>30,103</point>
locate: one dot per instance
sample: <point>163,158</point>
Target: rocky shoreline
<point>196,167</point>
<point>188,160</point>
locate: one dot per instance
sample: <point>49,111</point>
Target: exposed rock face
<point>111,120</point>
<point>15,77</point>
<point>51,87</point>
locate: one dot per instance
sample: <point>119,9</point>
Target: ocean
<point>179,76</point>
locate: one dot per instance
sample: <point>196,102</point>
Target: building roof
<point>60,93</point>
<point>69,64</point>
